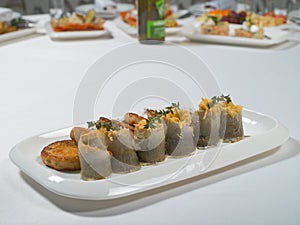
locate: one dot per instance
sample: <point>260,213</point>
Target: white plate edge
<point>17,34</point>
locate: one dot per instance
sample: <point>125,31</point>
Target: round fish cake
<point>61,155</point>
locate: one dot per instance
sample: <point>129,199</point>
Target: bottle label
<point>155,29</point>
<point>160,6</point>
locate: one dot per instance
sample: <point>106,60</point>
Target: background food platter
<point>74,34</point>
<point>272,36</point>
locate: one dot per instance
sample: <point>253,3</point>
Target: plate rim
<point>17,34</point>
<point>81,10</point>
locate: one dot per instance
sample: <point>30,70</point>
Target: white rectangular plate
<point>276,36</point>
<point>265,134</point>
<point>17,34</point>
<point>74,34</point>
<point>133,31</point>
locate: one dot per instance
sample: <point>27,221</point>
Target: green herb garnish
<point>158,113</point>
<point>218,99</point>
<point>168,109</point>
<point>108,125</point>
<point>227,98</point>
<point>150,122</point>
<point>213,18</point>
<point>91,124</point>
<point>19,23</point>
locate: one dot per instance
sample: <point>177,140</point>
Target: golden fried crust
<point>150,113</point>
<point>132,118</point>
<point>104,119</point>
<point>61,155</point>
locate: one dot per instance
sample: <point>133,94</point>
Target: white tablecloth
<point>38,83</point>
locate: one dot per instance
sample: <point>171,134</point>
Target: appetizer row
<point>111,146</point>
<point>213,26</point>
<point>217,23</point>
<point>269,19</point>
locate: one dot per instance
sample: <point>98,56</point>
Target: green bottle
<point>151,21</point>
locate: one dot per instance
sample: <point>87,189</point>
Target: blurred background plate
<point>133,31</point>
<point>275,36</point>
<point>83,9</point>
<point>7,14</point>
<point>199,9</point>
<point>74,34</point>
<point>17,34</point>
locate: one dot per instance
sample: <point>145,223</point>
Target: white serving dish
<point>264,131</point>
<point>17,34</point>
<point>74,34</point>
<point>276,36</point>
<point>83,9</point>
<point>290,25</point>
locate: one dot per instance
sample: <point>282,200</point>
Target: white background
<point>38,83</point>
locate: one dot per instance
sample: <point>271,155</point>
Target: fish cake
<point>61,155</point>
